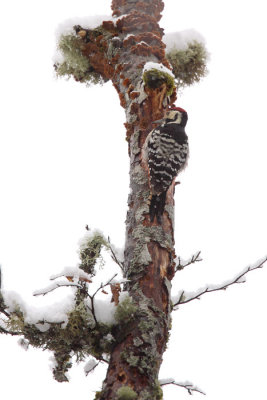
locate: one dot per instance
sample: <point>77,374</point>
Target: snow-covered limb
<point>181,265</point>
<point>90,366</point>
<point>186,385</point>
<point>54,286</point>
<point>185,297</point>
<point>76,273</point>
<point>158,66</point>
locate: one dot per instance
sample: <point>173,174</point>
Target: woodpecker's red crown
<point>177,109</point>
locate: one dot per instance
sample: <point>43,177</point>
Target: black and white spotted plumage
<point>166,150</point>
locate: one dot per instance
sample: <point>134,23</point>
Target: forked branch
<point>181,265</point>
<point>185,297</point>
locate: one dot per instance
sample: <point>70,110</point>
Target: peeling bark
<point>119,53</point>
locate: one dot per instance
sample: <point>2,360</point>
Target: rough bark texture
<point>119,53</point>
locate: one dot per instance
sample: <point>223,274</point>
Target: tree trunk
<point>141,337</point>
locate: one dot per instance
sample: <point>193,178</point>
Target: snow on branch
<point>186,385</point>
<point>54,286</point>
<point>186,297</point>
<point>90,366</point>
<point>73,274</point>
<point>180,40</point>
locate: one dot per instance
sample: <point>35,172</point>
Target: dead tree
<point>133,345</point>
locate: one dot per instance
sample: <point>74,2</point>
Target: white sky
<point>64,164</point>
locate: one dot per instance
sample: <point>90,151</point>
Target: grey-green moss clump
<point>189,65</point>
<point>125,310</point>
<point>74,63</point>
<point>80,337</point>
<point>154,78</point>
<point>126,393</point>
<point>90,252</point>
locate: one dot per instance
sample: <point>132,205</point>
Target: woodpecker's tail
<point>156,206</point>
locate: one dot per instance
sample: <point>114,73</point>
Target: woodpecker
<point>165,153</point>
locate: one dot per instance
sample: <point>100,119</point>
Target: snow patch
<point>104,311</point>
<point>160,67</point>
<point>180,40</point>
<point>41,317</point>
<point>166,381</point>
<point>87,237</point>
<point>90,366</point>
<point>75,272</point>
<point>90,22</point>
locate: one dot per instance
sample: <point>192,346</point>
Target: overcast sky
<point>64,164</point>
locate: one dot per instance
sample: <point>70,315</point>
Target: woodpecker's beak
<point>159,121</point>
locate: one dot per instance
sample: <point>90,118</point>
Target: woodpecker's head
<point>174,115</point>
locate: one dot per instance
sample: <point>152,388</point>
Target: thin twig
<point>184,299</point>
<point>195,258</point>
<point>42,322</point>
<point>92,297</point>
<point>104,285</point>
<point>3,330</point>
<point>3,311</point>
<point>188,386</point>
<point>114,257</point>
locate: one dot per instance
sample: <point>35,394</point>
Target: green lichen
<point>126,393</point>
<point>80,318</point>
<point>79,336</point>
<point>147,358</point>
<point>74,63</point>
<point>125,310</point>
<point>135,147</point>
<point>189,65</point>
<point>154,79</point>
<point>141,256</point>
<point>131,359</point>
<point>155,393</point>
<point>98,395</point>
<point>63,364</point>
<point>90,252</point>
<point>16,321</point>
<point>139,214</point>
<point>138,342</point>
<point>139,175</point>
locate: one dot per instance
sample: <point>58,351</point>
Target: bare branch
<point>114,257</point>
<point>195,258</point>
<point>186,297</point>
<point>92,297</point>
<point>104,285</point>
<point>186,385</point>
<point>7,332</point>
<point>3,311</point>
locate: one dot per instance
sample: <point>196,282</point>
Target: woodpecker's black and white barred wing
<point>167,154</point>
